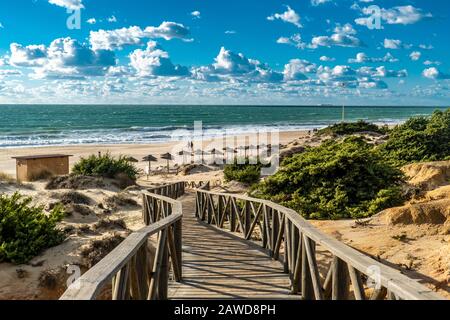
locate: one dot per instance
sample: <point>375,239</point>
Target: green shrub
<point>348,128</point>
<point>246,173</point>
<point>26,230</point>
<point>347,179</point>
<point>419,139</point>
<point>106,166</point>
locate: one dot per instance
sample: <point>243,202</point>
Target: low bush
<point>348,128</point>
<point>347,179</point>
<point>26,230</point>
<point>106,166</point>
<point>245,173</point>
<point>419,139</point>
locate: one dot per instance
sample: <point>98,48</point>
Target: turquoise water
<point>41,125</point>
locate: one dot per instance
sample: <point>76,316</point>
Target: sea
<point>64,125</point>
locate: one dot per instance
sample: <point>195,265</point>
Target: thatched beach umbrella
<point>228,150</point>
<point>200,152</point>
<point>214,152</point>
<point>184,153</point>
<point>149,159</point>
<point>131,159</point>
<point>245,148</point>
<point>168,157</point>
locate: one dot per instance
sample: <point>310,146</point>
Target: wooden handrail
<point>128,265</point>
<point>281,227</point>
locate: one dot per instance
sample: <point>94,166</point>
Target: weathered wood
<point>314,271</point>
<point>174,255</point>
<point>299,251</point>
<point>159,257</point>
<point>120,284</point>
<point>340,280</point>
<point>358,288</point>
<point>379,294</point>
<point>163,277</point>
<point>306,284</point>
<point>276,250</point>
<point>327,284</point>
<point>297,267</point>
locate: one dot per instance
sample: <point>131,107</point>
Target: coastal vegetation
<point>248,172</point>
<point>347,179</point>
<point>25,229</point>
<point>419,139</point>
<point>348,128</point>
<point>106,166</point>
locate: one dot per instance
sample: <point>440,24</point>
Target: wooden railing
<point>201,184</point>
<point>134,271</point>
<point>346,272</point>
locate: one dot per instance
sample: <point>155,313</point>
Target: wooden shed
<point>30,168</point>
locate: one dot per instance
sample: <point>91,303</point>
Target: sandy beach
<point>138,151</point>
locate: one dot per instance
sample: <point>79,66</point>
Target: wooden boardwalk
<point>221,265</point>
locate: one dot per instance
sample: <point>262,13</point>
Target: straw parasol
<point>200,152</point>
<point>215,152</point>
<point>149,159</point>
<point>184,153</point>
<point>131,159</point>
<point>168,157</point>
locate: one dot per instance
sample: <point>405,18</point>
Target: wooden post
<point>247,218</point>
<point>163,283</point>
<point>307,287</point>
<point>178,234</point>
<point>340,280</point>
<point>275,230</point>
<point>232,216</point>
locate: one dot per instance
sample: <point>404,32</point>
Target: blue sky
<point>238,52</point>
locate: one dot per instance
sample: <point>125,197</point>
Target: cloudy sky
<point>233,52</point>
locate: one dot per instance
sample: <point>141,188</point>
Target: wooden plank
<point>314,271</point>
<point>358,288</point>
<point>159,257</point>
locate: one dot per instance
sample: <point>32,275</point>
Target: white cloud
<point>397,15</point>
<point>154,61</point>
<point>337,39</point>
<point>168,31</point>
<point>230,32</point>
<point>32,55</point>
<point>344,29</point>
<point>361,57</point>
<point>68,4</point>
<point>393,44</point>
<point>343,36</point>
<point>296,69</point>
<point>414,56</point>
<point>112,19</point>
<point>91,21</point>
<point>63,58</point>
<point>316,3</point>
<point>429,63</point>
<point>231,66</point>
<point>289,16</point>
<point>426,47</point>
<point>435,74</point>
<point>294,40</point>
<point>327,59</point>
<point>196,14</point>
<point>116,39</point>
